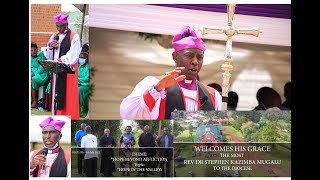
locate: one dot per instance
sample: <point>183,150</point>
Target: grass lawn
<point>226,138</point>
<point>184,136</point>
<point>36,112</point>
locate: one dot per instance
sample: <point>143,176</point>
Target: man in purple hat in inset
<point>65,46</point>
<point>52,160</point>
<point>157,97</point>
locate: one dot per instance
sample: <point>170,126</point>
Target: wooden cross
<point>229,30</point>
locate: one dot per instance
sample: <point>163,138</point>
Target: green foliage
<point>268,133</point>
<point>222,114</point>
<point>180,115</point>
<point>237,123</point>
<point>236,132</point>
<point>226,138</point>
<point>98,127</point>
<point>255,136</point>
<point>281,115</point>
<point>248,129</point>
<point>282,122</point>
<point>190,128</point>
<point>263,121</point>
<point>91,90</point>
<point>226,123</point>
<point>92,71</point>
<point>283,136</point>
<point>75,21</point>
<point>284,126</point>
<point>149,36</point>
<point>137,134</point>
<point>177,128</point>
<point>154,126</point>
<point>251,115</point>
<point>191,138</point>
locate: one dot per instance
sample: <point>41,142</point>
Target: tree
<point>237,123</point>
<point>248,129</point>
<point>154,125</point>
<point>274,116</point>
<point>98,127</point>
<point>177,128</point>
<point>221,114</point>
<point>251,115</point>
<point>268,133</point>
<point>263,121</point>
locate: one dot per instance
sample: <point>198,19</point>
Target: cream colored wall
<point>122,59</point>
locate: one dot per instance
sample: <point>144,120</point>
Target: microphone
<point>43,167</point>
<point>56,38</point>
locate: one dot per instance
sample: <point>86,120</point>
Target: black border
<point>16,70</point>
<point>16,60</point>
<point>304,74</point>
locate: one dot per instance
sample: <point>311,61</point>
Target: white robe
<point>134,106</point>
<point>71,57</point>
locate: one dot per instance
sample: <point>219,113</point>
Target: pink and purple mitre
<point>187,38</point>
<point>57,124</point>
<point>61,18</point>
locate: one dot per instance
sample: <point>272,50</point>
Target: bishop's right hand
<point>169,79</point>
<point>54,44</point>
<point>39,159</point>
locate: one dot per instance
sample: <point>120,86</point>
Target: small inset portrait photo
<point>50,144</point>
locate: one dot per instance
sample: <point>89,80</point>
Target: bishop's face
<point>61,27</point>
<point>50,136</point>
<point>191,59</point>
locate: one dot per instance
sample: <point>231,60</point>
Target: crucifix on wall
<point>229,30</point>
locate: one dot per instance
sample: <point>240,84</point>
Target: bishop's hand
<point>169,79</point>
<point>39,159</point>
<point>54,44</point>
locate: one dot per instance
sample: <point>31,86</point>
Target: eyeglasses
<point>166,130</point>
<point>60,26</point>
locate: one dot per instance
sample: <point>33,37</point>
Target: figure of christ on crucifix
<point>229,30</point>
